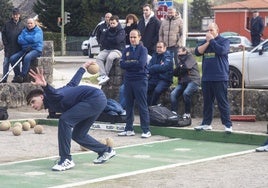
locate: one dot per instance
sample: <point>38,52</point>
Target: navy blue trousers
<point>155,89</point>
<point>211,91</point>
<point>75,124</point>
<point>136,91</point>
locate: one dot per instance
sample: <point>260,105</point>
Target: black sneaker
<point>17,79</point>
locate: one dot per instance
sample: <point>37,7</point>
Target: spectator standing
<point>134,62</point>
<point>80,107</point>
<point>149,27</point>
<point>256,28</point>
<point>103,28</point>
<point>160,73</point>
<point>171,31</point>
<point>215,75</point>
<point>188,82</point>
<point>263,148</point>
<point>131,23</point>
<point>10,33</point>
<point>31,41</point>
<point>113,45</point>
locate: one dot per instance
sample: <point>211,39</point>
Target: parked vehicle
<point>238,42</point>
<point>255,67</point>
<point>91,47</point>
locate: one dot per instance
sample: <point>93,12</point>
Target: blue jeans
<point>186,90</point>
<point>75,124</point>
<point>211,91</point>
<point>5,67</point>
<point>122,99</point>
<point>26,62</point>
<point>155,89</point>
<point>136,91</point>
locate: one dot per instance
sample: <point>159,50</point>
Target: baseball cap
<point>15,11</point>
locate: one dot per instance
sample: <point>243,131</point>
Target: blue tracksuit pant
<point>136,91</point>
<point>75,124</point>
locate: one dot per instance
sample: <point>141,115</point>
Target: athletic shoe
<point>127,133</point>
<point>146,135</point>
<point>67,164</point>
<point>262,148</point>
<point>203,127</point>
<point>103,80</point>
<point>104,157</point>
<point>228,129</point>
<point>185,120</point>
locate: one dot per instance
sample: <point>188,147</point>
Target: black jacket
<point>149,33</point>
<point>10,33</point>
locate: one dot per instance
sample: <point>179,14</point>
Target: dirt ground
<point>247,170</point>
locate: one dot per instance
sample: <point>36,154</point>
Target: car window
<point>234,40</point>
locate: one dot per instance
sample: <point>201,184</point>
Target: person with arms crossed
<point>160,73</point>
<point>188,83</point>
<point>80,107</point>
<point>10,33</point>
<point>134,62</point>
<point>215,75</point>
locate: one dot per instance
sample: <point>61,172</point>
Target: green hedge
<point>55,37</point>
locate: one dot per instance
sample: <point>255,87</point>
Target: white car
<point>238,42</point>
<point>91,47</point>
<point>255,67</point>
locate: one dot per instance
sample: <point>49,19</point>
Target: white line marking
<point>151,169</point>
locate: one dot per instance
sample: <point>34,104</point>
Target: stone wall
<point>255,101</point>
<point>12,95</point>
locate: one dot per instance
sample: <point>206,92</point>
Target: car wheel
<point>90,55</point>
<point>85,52</point>
<point>235,78</point>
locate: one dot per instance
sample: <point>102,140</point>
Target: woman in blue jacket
<point>80,107</point>
<point>31,41</point>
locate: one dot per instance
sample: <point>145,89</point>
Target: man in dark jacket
<point>80,107</point>
<point>160,73</point>
<point>215,76</point>
<point>10,33</point>
<point>149,27</point>
<point>188,83</point>
<point>256,28</point>
<point>103,28</point>
<point>113,44</point>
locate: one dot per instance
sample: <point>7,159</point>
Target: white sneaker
<point>228,129</point>
<point>104,157</point>
<point>146,135</point>
<point>203,127</point>
<point>103,80</point>
<point>126,133</point>
<point>262,148</point>
<point>100,77</point>
<point>67,164</point>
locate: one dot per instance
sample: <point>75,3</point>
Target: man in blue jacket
<point>10,33</point>
<point>160,73</point>
<point>134,62</point>
<point>80,107</point>
<point>215,75</point>
<point>31,42</point>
